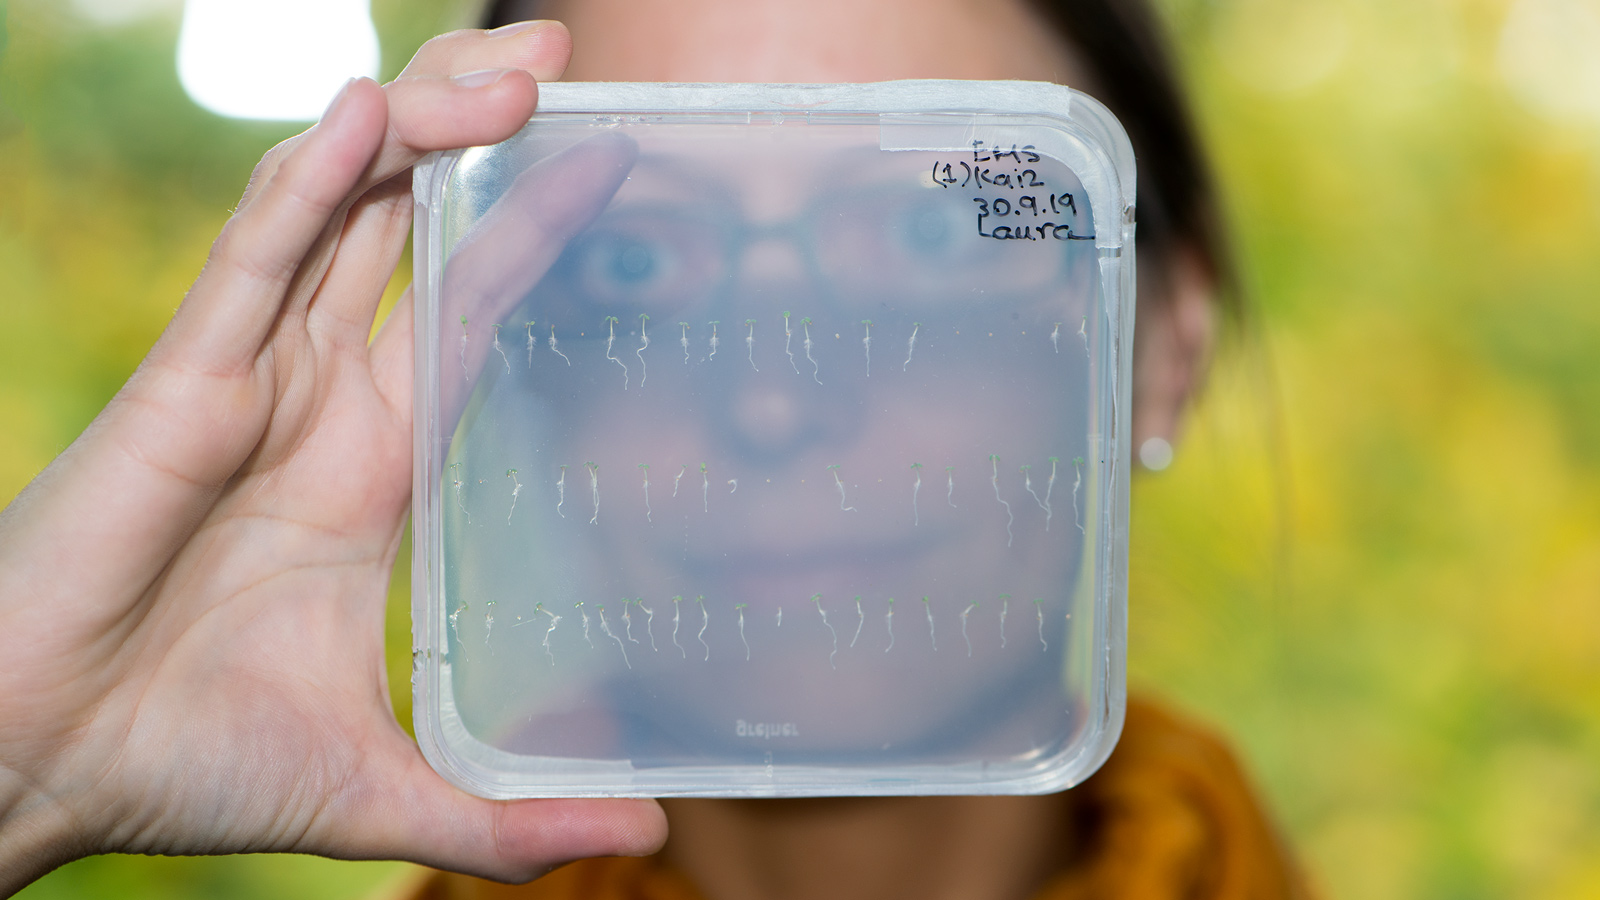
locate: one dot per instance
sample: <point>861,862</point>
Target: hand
<point>192,595</point>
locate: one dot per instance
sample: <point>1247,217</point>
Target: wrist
<point>37,833</point>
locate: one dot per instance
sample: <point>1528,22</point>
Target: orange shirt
<point>1169,816</point>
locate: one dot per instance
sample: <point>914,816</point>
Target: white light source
<point>1549,55</point>
<point>280,60</point>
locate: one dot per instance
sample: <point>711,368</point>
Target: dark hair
<point>1126,51</point>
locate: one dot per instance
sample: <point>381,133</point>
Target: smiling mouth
<point>834,567</point>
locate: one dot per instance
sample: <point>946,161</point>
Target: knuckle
<point>264,170</point>
<point>437,52</point>
<point>238,249</point>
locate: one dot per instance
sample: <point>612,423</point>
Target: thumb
<point>402,809</point>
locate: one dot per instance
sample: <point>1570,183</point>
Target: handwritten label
<point>1005,213</point>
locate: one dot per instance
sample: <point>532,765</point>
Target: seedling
<point>561,492</point>
<point>649,620</point>
<point>994,460</point>
<point>740,607</point>
<point>465,373</point>
<point>1027,484</point>
<point>611,338</point>
<point>836,480</point>
<point>861,619</point>
<point>705,488</point>
<point>1055,337</point>
<point>1077,481</point>
<point>456,481</point>
<point>705,622</point>
<point>684,341</point>
<point>594,488</point>
<point>950,486</point>
<point>1083,332</point>
<point>554,346</point>
<point>1038,607</point>
<point>733,485</point>
<point>554,621</point>
<point>927,609</point>
<point>531,342</point>
<point>610,634</point>
<point>677,478</point>
<point>1048,487</point>
<point>964,614</point>
<point>911,345</point>
<point>644,344</point>
<point>715,341</point>
<point>787,337</point>
<point>500,349</point>
<point>646,468</point>
<point>585,614</point>
<point>780,617</point>
<point>627,620</point>
<point>676,615</point>
<point>516,488</point>
<point>805,324</point>
<point>866,344</point>
<point>750,343</point>
<point>548,631</point>
<point>454,616</point>
<point>817,599</point>
<point>1005,608</point>
<point>916,469</point>
<point>888,623</point>
<point>488,623</point>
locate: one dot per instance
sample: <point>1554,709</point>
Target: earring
<point>1155,454</point>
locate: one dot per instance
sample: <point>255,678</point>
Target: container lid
<point>772,440</point>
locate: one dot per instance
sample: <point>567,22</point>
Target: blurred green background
<point>1375,563</point>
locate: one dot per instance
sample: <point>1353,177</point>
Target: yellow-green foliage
<point>1375,563</point>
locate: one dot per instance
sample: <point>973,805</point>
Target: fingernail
<point>338,98</point>
<point>480,78</point>
<point>516,27</point>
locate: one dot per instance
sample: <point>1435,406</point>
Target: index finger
<point>461,89</point>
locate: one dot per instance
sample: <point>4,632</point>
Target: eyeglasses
<point>921,250</point>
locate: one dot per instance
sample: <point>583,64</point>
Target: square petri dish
<point>772,440</point>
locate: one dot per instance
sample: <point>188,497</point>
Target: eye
<point>615,268</point>
<point>930,247</point>
<point>649,262</point>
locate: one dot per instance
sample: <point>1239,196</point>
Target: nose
<point>776,416</point>
<point>778,406</point>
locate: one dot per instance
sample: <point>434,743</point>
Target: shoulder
<point>1171,814</point>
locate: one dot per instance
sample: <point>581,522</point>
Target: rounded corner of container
<point>1074,764</point>
<point>444,758</point>
<point>1097,118</point>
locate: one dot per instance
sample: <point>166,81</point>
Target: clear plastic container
<point>772,440</point>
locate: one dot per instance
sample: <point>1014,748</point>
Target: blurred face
<point>790,396</point>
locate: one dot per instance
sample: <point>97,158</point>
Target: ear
<point>1171,346</point>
